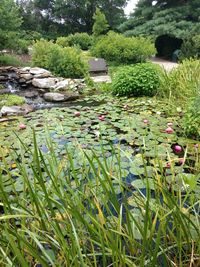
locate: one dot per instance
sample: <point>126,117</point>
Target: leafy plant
<point>81,40</point>
<point>138,80</point>
<point>191,120</point>
<point>65,62</point>
<point>117,48</point>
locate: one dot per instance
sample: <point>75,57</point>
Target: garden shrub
<point>191,120</point>
<point>81,40</point>
<point>190,47</point>
<point>117,48</point>
<point>137,80</point>
<point>65,62</point>
<point>62,41</point>
<point>182,82</point>
<point>9,60</point>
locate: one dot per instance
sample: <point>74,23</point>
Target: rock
<point>40,73</point>
<point>45,83</point>
<point>4,91</point>
<point>62,85</point>
<point>54,97</point>
<point>25,69</point>
<point>31,94</point>
<point>3,78</point>
<point>16,110</point>
<point>57,97</point>
<point>26,76</point>
<point>101,79</point>
<point>21,80</point>
<point>71,97</point>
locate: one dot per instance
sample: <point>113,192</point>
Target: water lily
<point>22,126</point>
<point>177,149</point>
<point>169,130</point>
<point>169,124</point>
<point>77,114</point>
<point>145,121</point>
<point>101,118</point>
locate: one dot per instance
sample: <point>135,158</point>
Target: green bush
<point>65,62</point>
<point>191,120</point>
<point>81,40</point>
<point>117,48</point>
<point>62,41</point>
<point>190,48</point>
<point>138,80</point>
<point>9,60</point>
<point>22,46</point>
<point>182,82</point>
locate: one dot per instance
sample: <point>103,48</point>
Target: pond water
<point>101,123</point>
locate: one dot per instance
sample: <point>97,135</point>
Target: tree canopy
<point>10,22</point>
<point>68,16</point>
<point>179,18</point>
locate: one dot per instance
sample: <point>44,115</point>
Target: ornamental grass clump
<point>137,80</point>
<point>54,212</point>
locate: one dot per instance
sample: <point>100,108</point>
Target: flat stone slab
<point>98,65</point>
<point>57,97</point>
<point>101,79</point>
<point>16,110</point>
<point>40,72</point>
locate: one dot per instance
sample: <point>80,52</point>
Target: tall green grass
<point>181,83</point>
<point>61,215</point>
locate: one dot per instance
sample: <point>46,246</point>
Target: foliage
<point>60,215</point>
<point>100,26</point>
<point>82,40</point>
<point>117,48</point>
<point>9,60</point>
<point>9,23</point>
<point>191,120</point>
<point>11,100</point>
<point>182,83</point>
<point>191,47</point>
<point>59,18</point>
<point>64,62</point>
<point>138,80</point>
<point>177,18</point>
<point>62,41</point>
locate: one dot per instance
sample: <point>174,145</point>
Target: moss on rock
<point>11,100</point>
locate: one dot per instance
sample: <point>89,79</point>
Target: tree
<point>100,23</point>
<point>179,18</point>
<point>62,17</point>
<point>9,23</point>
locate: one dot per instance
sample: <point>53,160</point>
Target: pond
<point>100,122</point>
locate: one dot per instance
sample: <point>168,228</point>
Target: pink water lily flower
<point>101,118</point>
<point>177,149</point>
<point>169,130</point>
<point>22,126</point>
<point>77,114</point>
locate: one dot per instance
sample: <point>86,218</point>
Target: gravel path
<point>167,65</point>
